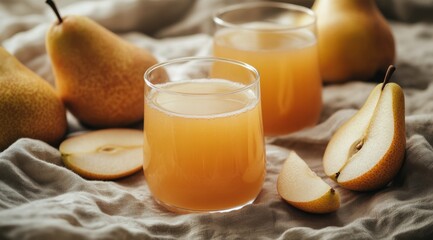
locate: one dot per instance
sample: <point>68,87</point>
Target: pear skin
<point>29,106</point>
<point>354,39</point>
<point>99,76</point>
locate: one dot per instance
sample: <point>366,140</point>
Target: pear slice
<point>368,150</point>
<point>104,154</point>
<point>298,185</point>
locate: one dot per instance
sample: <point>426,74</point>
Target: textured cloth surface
<point>41,199</point>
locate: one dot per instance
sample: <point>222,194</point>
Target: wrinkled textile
<point>41,199</point>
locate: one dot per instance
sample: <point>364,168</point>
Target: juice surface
<point>291,87</point>
<point>203,152</point>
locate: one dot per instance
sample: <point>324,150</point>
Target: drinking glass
<point>279,40</point>
<point>203,136</point>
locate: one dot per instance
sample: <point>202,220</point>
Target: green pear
<point>29,106</point>
<point>99,76</point>
<point>354,39</point>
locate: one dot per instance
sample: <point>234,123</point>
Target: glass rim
<point>247,5</point>
<point>247,66</point>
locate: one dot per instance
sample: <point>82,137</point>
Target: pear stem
<point>56,11</point>
<point>388,75</point>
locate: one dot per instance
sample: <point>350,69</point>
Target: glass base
<point>185,211</point>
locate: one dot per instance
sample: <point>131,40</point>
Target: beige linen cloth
<point>41,199</point>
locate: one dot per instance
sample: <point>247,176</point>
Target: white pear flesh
<point>371,161</point>
<point>104,154</point>
<point>341,145</point>
<point>298,185</point>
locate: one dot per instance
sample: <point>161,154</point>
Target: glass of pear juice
<point>204,146</point>
<point>279,40</point>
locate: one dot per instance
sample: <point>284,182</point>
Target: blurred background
<point>163,25</point>
<point>160,18</point>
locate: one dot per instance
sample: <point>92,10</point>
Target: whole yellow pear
<point>99,76</point>
<point>29,106</point>
<point>354,39</point>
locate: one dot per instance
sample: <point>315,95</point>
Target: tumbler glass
<point>203,136</point>
<point>279,40</point>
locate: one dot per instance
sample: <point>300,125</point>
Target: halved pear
<point>298,185</point>
<point>104,154</point>
<point>368,150</point>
